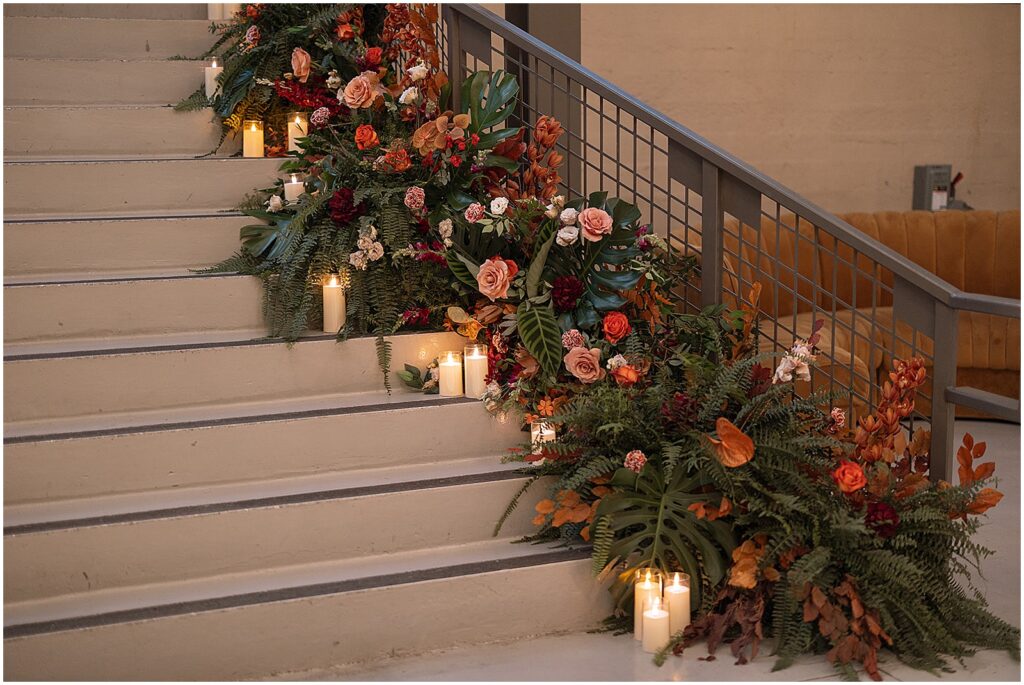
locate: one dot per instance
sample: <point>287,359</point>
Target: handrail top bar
<point>1000,406</point>
<point>943,291</point>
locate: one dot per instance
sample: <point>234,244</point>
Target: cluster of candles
<point>659,613</point>
<point>452,371</point>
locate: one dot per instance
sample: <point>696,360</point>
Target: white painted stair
<point>185,498</point>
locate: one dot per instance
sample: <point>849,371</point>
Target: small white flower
<point>418,72</point>
<point>368,232</point>
<point>409,95</point>
<point>375,252</point>
<point>616,362</point>
<point>333,80</point>
<point>568,216</point>
<point>448,242</point>
<point>364,243</point>
<point>791,368</point>
<point>445,228</point>
<point>567,235</point>
<point>358,260</point>
<point>275,204</point>
<point>499,205</point>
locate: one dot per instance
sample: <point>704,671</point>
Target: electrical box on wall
<point>932,183</point>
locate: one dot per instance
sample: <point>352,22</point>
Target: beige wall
<point>837,102</point>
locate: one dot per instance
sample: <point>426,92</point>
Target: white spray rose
<point>418,72</point>
<point>409,95</point>
<point>567,235</point>
<point>568,216</point>
<point>375,252</point>
<point>275,204</point>
<point>499,205</point>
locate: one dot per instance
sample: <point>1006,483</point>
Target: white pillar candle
<point>656,633</point>
<point>541,432</point>
<point>450,383</point>
<point>476,370</point>
<point>293,188</point>
<point>334,304</point>
<point>298,127</point>
<point>677,600</point>
<point>212,72</point>
<point>252,138</point>
<point>646,587</point>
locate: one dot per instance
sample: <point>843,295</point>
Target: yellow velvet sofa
<point>797,265</point>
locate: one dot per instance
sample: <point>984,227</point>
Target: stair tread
<point>142,215</point>
<point>282,583</point>
<point>122,507</point>
<point>205,415</point>
<point>145,343</point>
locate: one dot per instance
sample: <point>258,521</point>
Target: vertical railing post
<point>943,376</point>
<point>456,56</point>
<point>712,247</point>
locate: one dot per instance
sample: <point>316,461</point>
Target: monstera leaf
<point>490,99</point>
<point>645,522</point>
<point>605,269</point>
<point>541,335</point>
<point>269,240</point>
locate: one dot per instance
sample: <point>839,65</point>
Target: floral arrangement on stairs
<point>678,447</point>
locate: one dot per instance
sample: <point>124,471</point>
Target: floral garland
<point>677,447</point>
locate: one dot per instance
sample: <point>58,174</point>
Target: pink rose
<point>474,212</point>
<point>584,364</point>
<point>495,277</point>
<point>414,197</point>
<point>595,223</point>
<point>300,64</point>
<point>362,91</point>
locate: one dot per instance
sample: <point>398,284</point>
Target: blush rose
<point>594,224</point>
<point>584,364</point>
<point>300,64</point>
<point>495,277</point>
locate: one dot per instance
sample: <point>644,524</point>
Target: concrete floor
<point>609,658</point>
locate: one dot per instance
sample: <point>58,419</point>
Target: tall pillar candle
<point>334,304</point>
<point>540,433</point>
<point>293,189</point>
<point>475,363</point>
<point>450,368</point>
<point>212,72</point>
<point>298,127</point>
<point>656,631</point>
<point>646,587</point>
<point>677,600</point>
<point>252,138</point>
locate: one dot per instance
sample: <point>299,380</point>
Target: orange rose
<point>345,32</point>
<point>616,327</point>
<point>397,160</point>
<point>495,276</point>
<point>366,137</point>
<point>362,91</point>
<point>626,376</point>
<point>849,476</point>
<point>300,64</point>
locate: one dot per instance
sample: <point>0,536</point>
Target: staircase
<point>184,497</point>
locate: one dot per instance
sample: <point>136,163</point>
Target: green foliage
<point>540,334</point>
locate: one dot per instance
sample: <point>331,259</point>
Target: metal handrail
<point>939,289</point>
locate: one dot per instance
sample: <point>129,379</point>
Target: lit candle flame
<point>297,120</point>
<point>648,578</point>
<point>655,604</point>
<point>294,179</point>
<point>253,128</point>
<point>334,281</point>
<point>214,65</point>
<point>675,581</point>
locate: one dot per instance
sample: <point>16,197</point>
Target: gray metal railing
<point>745,227</point>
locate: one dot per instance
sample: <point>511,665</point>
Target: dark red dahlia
<point>680,411</point>
<point>760,380</point>
<point>417,316</point>
<point>882,518</point>
<point>343,208</point>
<point>565,293</point>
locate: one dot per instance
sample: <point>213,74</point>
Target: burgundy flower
<point>343,208</point>
<point>565,293</point>
<point>882,518</point>
<point>760,380</point>
<point>417,316</point>
<point>680,411</point>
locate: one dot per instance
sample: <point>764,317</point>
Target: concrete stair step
<point>68,385</point>
<point>123,541</point>
<point>110,131</point>
<point>30,81</point>
<point>65,37</point>
<point>315,616</point>
<point>131,10</point>
<point>130,188</point>
<point>101,309</point>
<point>55,251</point>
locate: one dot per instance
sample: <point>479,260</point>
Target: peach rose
<point>626,376</point>
<point>495,277</point>
<point>849,476</point>
<point>595,223</point>
<point>616,327</point>
<point>300,64</point>
<point>584,364</point>
<point>362,91</point>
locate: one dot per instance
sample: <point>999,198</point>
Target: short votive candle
<point>677,601</point>
<point>450,367</point>
<point>541,432</point>
<point>293,189</point>
<point>656,630</point>
<point>212,72</point>
<point>475,368</point>
<point>646,588</point>
<point>252,138</point>
<point>298,127</point>
<point>334,303</point>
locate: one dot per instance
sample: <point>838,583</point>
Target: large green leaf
<point>266,240</point>
<point>463,269</point>
<point>533,275</point>
<point>490,98</point>
<point>541,335</point>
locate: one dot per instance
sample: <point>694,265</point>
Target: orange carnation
<point>366,137</point>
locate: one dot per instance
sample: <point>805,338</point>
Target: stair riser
<point>78,386</point>
<point>118,188</point>
<point>317,633</point>
<point>61,132</point>
<point>56,38</point>
<point>57,250</point>
<point>154,307</point>
<point>99,82</point>
<point>67,469</point>
<point>109,10</point>
<point>52,563</point>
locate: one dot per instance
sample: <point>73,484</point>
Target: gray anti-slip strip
<point>123,279</point>
<point>262,502</point>
<point>236,420</point>
<point>302,592</point>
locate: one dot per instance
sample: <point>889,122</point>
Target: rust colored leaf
<point>818,597</point>
<point>984,471</point>
<point>810,611</point>
<point>985,500</point>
